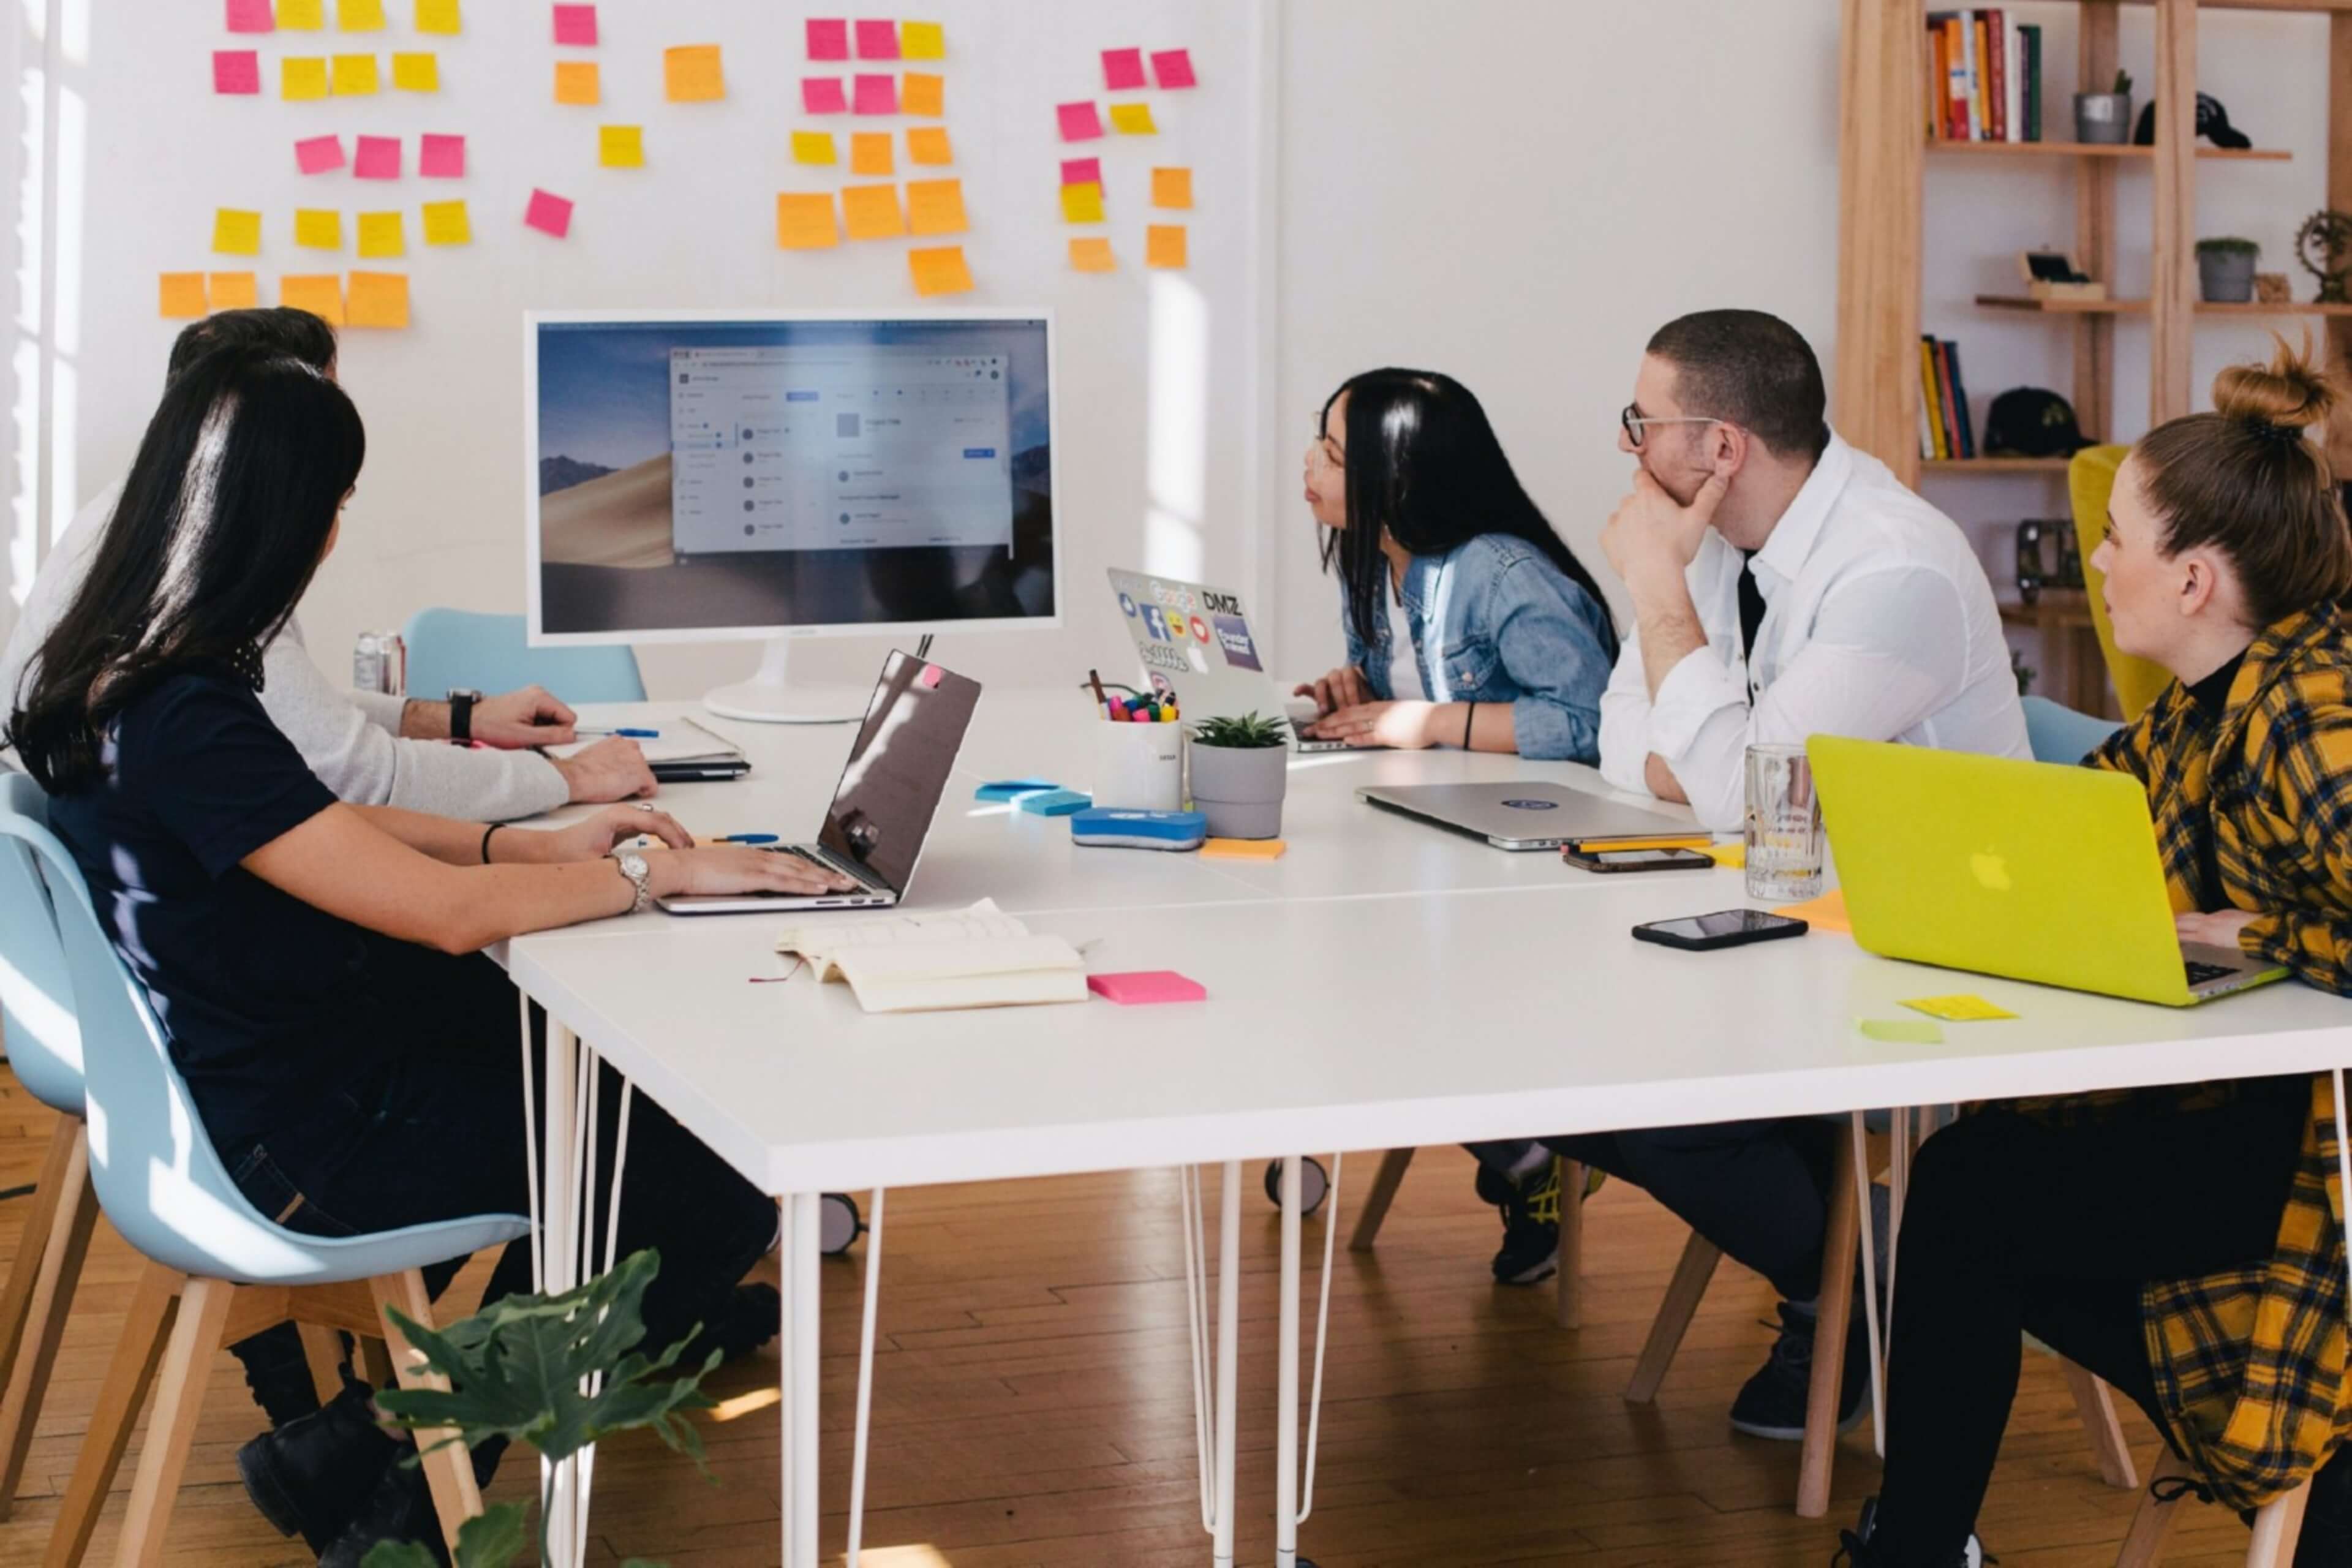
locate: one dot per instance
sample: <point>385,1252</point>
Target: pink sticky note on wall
<point>236,71</point>
<point>1173,67</point>
<point>828,38</point>
<point>876,95</point>
<point>576,25</point>
<point>549,214</point>
<point>1122,70</point>
<point>1082,171</point>
<point>877,40</point>
<point>251,16</point>
<point>822,95</point>
<point>317,155</point>
<point>1080,121</point>
<point>441,157</point>
<point>1146,986</point>
<point>378,159</point>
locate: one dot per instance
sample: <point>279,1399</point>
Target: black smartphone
<point>1636,860</point>
<point>1728,928</point>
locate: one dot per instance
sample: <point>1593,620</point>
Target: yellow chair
<point>2090,479</point>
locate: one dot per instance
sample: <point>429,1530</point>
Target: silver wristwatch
<point>632,866</point>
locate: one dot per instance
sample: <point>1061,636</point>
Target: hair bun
<point>2287,395</point>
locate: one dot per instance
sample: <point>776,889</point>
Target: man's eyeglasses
<point>1637,425</point>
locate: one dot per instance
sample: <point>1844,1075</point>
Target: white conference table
<point>1383,985</point>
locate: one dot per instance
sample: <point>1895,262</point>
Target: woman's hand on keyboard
<point>738,869</point>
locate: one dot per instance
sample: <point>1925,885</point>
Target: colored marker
<point>626,735</point>
<point>745,838</point>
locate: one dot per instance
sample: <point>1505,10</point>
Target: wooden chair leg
<point>449,1467</point>
<point>2143,1544</point>
<point>24,1274</point>
<point>172,1426</point>
<point>1382,1192</point>
<point>1699,1258</point>
<point>1568,1304</point>
<point>145,1328</point>
<point>376,1362</point>
<point>2095,1402</point>
<point>322,1352</point>
<point>2277,1528</point>
<point>1841,1252</point>
<point>66,1244</point>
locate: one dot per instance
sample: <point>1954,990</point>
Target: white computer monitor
<point>701,475</point>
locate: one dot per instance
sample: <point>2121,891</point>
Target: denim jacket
<point>1496,621</point>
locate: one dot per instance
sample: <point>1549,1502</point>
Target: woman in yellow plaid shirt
<point>2186,1245</point>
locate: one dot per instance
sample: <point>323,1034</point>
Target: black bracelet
<point>1467,720</point>
<point>493,827</point>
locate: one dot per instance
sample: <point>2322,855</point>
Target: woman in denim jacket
<point>1509,633</point>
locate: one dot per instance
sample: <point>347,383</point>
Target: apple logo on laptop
<point>1992,871</point>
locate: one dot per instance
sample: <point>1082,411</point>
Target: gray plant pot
<point>2103,117</point>
<point>1240,791</point>
<point>2226,277</point>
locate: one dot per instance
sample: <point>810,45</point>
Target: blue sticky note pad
<point>1055,803</point>
<point>1011,789</point>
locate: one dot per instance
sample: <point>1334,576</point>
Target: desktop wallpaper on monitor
<point>770,473</point>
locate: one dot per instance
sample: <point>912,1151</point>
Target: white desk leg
<point>802,1230</point>
<point>560,1229</point>
<point>866,1377</point>
<point>1229,1331</point>
<point>1285,1373</point>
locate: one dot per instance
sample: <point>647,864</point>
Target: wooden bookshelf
<point>2140,307</point>
<point>1993,465</point>
<point>2096,150</point>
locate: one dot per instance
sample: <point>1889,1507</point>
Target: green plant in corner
<point>2123,82</point>
<point>1250,732</point>
<point>558,1372</point>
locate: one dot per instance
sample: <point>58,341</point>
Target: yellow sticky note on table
<point>1242,849</point>
<point>320,228</point>
<point>1960,1008</point>
<point>621,146</point>
<point>1901,1031</point>
<point>871,212</point>
<point>416,73</point>
<point>1082,203</point>
<point>928,145</point>
<point>301,76</point>
<point>382,233</point>
<point>1132,120</point>
<point>1163,246</point>
<point>935,206</point>
<point>940,270</point>
<point>182,295</point>
<point>1731,856</point>
<point>1091,253</point>
<point>379,299</point>
<point>1171,188</point>
<point>922,41</point>
<point>355,76</point>
<point>321,293</point>
<point>438,17</point>
<point>445,223</point>
<point>921,93</point>
<point>301,16</point>
<point>234,292</point>
<point>236,232</point>
<point>576,82</point>
<point>806,222</point>
<point>360,16</point>
<point>869,153</point>
<point>1824,913</point>
<point>691,74</point>
<point>814,147</point>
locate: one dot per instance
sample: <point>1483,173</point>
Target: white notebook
<point>980,957</point>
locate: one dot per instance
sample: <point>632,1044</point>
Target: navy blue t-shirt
<point>267,1000</point>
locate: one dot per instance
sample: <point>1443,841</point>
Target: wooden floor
<point>1033,1406</point>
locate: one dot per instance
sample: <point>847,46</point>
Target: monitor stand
<point>768,698</point>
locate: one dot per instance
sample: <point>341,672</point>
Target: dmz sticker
<point>1533,804</point>
<point>1233,634</point>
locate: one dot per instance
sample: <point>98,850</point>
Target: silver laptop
<point>1523,815</point>
<point>889,790</point>
<point>1195,643</point>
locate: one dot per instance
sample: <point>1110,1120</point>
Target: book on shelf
<point>1931,404</point>
<point>1945,433</point>
<point>1984,77</point>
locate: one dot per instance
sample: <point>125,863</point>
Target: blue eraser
<point>1055,802</point>
<point>1107,829</point>
<point>1011,789</point>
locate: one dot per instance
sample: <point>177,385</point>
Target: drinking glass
<point>1784,826</point>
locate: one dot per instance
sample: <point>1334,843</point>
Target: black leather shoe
<point>310,1476</point>
<point>399,1510</point>
<point>750,1318</point>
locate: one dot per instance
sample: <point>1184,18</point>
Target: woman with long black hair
<point>1511,639</point>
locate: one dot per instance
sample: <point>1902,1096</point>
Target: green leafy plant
<point>1250,732</point>
<point>2123,83</point>
<point>2228,245</point>
<point>520,1369</point>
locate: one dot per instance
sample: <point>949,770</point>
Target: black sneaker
<point>1772,1403</point>
<point>310,1476</point>
<point>753,1314</point>
<point>398,1509</point>
<point>1530,1250</point>
<point>1854,1549</point>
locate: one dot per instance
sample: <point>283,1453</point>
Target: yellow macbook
<point>2027,870</point>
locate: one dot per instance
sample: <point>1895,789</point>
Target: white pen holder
<point>1138,767</point>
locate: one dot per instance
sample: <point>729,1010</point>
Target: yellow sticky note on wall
<point>379,299</point>
<point>319,228</point>
<point>935,206</point>
<point>301,76</point>
<point>1132,120</point>
<point>382,233</point>
<point>806,222</point>
<point>445,223</point>
<point>1172,187</point>
<point>321,294</point>
<point>922,41</point>
<point>236,232</point>
<point>1091,253</point>
<point>869,153</point>
<point>812,147</point>
<point>360,16</point>
<point>621,146</point>
<point>438,17</point>
<point>182,295</point>
<point>576,82</point>
<point>1163,246</point>
<point>921,93</point>
<point>691,74</point>
<point>940,271</point>
<point>234,292</point>
<point>871,212</point>
<point>355,76</point>
<point>301,16</point>
<point>1082,203</point>
<point>928,145</point>
<point>416,73</point>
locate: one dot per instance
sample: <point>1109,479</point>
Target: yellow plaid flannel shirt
<point>2249,1363</point>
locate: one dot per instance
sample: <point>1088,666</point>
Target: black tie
<point>1751,604</point>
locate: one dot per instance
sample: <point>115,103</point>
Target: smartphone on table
<point>1585,860</point>
<point>1726,927</point>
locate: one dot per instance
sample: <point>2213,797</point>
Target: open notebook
<point>682,752</point>
<point>980,957</point>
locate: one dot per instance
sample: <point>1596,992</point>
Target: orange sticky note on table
<point>416,73</point>
<point>445,223</point>
<point>921,93</point>
<point>814,147</point>
<point>302,78</point>
<point>319,228</point>
<point>183,295</point>
<point>576,82</point>
<point>236,232</point>
<point>1091,253</point>
<point>940,270</point>
<point>1171,188</point>
<point>935,206</point>
<point>1163,245</point>
<point>928,145</point>
<point>806,222</point>
<point>621,146</point>
<point>383,235</point>
<point>1243,849</point>
<point>379,299</point>
<point>871,212</point>
<point>320,293</point>
<point>234,292</point>
<point>438,17</point>
<point>691,73</point>
<point>1824,913</point>
<point>1082,203</point>
<point>869,153</point>
<point>355,76</point>
<point>1132,120</point>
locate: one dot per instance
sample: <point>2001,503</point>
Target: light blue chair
<point>2059,734</point>
<point>450,648</point>
<point>218,1270</point>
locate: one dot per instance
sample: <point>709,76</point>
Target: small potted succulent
<point>2105,117</point>
<point>1241,770</point>
<point>2225,270</point>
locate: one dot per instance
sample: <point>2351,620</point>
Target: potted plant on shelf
<point>1241,770</point>
<point>2225,270</point>
<point>2105,117</point>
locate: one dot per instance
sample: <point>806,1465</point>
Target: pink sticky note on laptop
<point>1143,986</point>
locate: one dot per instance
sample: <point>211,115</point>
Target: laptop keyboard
<point>2198,973</point>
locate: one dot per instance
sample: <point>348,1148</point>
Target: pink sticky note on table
<point>378,158</point>
<point>576,25</point>
<point>549,214</point>
<point>822,95</point>
<point>236,71</point>
<point>1173,67</point>
<point>1146,986</point>
<point>877,40</point>
<point>876,95</point>
<point>251,16</point>
<point>1080,121</point>
<point>1081,172</point>
<point>441,157</point>
<point>317,155</point>
<point>1122,70</point>
<point>828,38</point>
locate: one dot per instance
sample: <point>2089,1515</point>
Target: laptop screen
<point>898,768</point>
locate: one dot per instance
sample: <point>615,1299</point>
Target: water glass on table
<point>1783,825</point>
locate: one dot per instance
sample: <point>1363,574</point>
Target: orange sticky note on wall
<point>691,74</point>
<point>235,291</point>
<point>576,82</point>
<point>921,93</point>
<point>321,294</point>
<point>940,271</point>
<point>1091,253</point>
<point>806,222</point>
<point>935,206</point>
<point>928,144</point>
<point>869,153</point>
<point>379,299</point>
<point>1163,245</point>
<point>871,212</point>
<point>1172,187</point>
<point>182,295</point>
